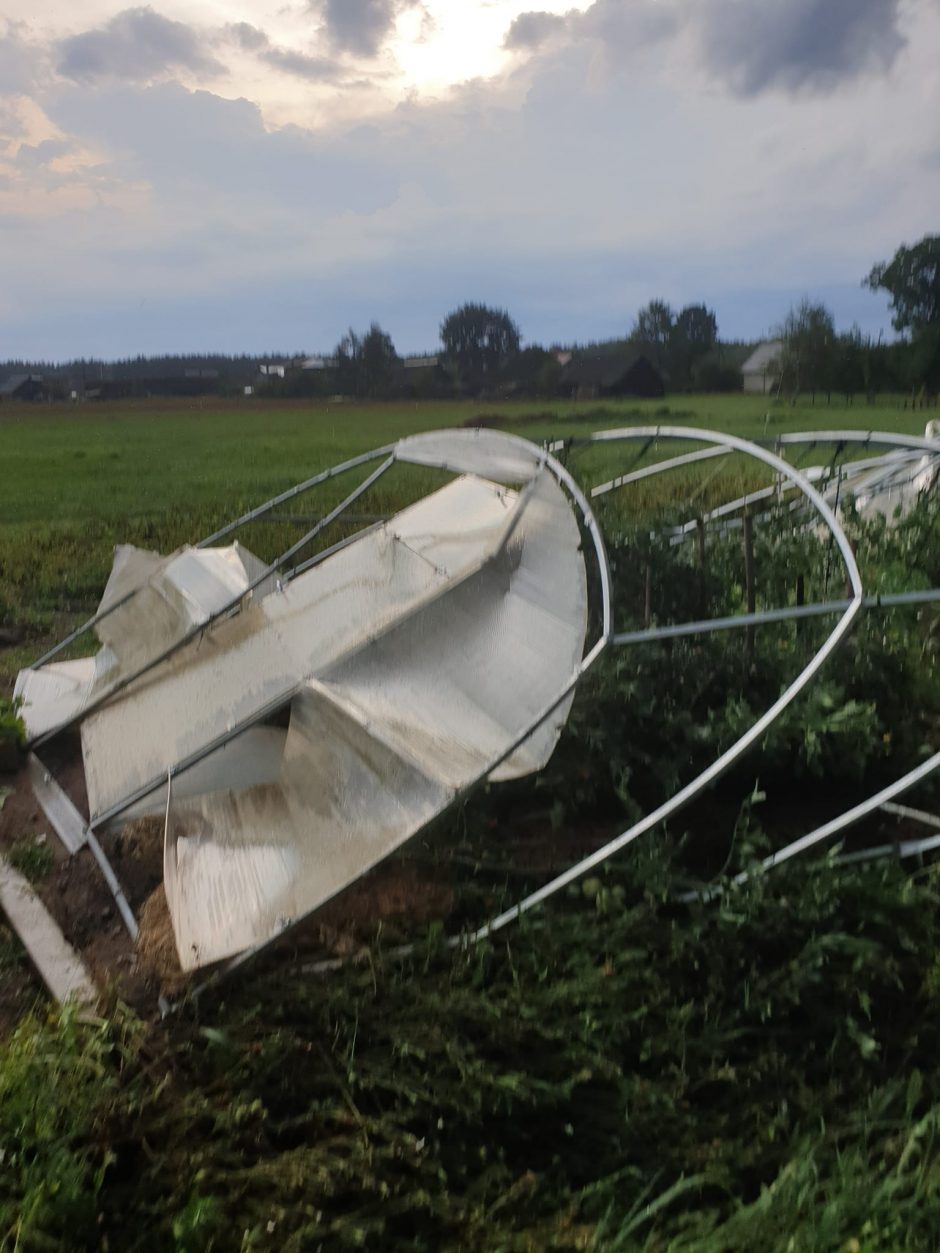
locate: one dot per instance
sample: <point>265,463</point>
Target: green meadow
<point>620,1070</point>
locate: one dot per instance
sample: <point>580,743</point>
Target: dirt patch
<point>156,945</point>
<point>136,853</point>
<point>396,896</point>
<point>76,896</point>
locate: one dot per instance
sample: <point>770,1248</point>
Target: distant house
<point>419,363</point>
<point>761,370</point>
<point>22,387</point>
<point>589,375</point>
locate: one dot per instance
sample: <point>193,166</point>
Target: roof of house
<point>762,357</point>
<point>601,369</point>
<point>12,384</point>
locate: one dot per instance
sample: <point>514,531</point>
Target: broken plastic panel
<point>313,727</point>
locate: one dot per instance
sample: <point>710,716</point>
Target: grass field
<point>618,1072</point>
<point>62,465</point>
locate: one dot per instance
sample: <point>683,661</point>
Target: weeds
<point>721,1077</point>
<point>619,1072</point>
<point>32,857</point>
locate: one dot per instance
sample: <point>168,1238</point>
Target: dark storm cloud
<point>33,156</point>
<point>249,37</point>
<point>314,69</point>
<point>136,45</point>
<point>751,45</point>
<point>755,45</point>
<point>530,30</point>
<point>622,28</point>
<point>359,26</point>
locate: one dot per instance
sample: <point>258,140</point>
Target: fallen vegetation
<point>620,1071</point>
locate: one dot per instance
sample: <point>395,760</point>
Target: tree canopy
<point>653,325</point>
<point>912,279</point>
<point>365,364</point>
<point>809,345</point>
<point>675,341</point>
<point>478,339</point>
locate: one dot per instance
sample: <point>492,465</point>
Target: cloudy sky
<point>242,176</point>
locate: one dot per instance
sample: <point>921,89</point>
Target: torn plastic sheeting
<point>250,660</point>
<point>382,740</point>
<point>491,454</point>
<point>171,596</point>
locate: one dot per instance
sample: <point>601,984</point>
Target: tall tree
<point>365,365</point>
<point>653,325</point>
<point>379,361</point>
<point>809,341</point>
<point>694,334</point>
<point>478,339</point>
<point>912,279</point>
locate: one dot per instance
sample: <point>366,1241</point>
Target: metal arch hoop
<point>726,759</point>
<point>889,438</point>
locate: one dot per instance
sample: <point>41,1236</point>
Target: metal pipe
<point>86,626</point>
<point>127,914</point>
<point>333,548</point>
<point>260,510</point>
<point>765,616</point>
<point>916,815</point>
<point>702,454</point>
<point>889,438</point>
<point>193,759</point>
<point>848,818</point>
<point>906,848</point>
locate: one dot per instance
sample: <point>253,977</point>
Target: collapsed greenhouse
<point>292,723</point>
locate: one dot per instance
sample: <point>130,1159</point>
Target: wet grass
<point>755,1074</point>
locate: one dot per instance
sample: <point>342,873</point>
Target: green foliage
<point>912,279</point>
<point>365,365</point>
<point>12,734</point>
<point>617,1072</point>
<point>809,348</point>
<point>12,955</point>
<point>477,340</point>
<point>56,1081</point>
<point>727,1076</point>
<point>33,858</point>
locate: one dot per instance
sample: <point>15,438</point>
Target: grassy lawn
<point>617,1072</point>
<point>76,481</point>
<point>60,465</point>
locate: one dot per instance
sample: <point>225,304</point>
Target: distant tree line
<point>481,354</point>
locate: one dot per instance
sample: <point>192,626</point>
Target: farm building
<point>762,368</point>
<point>22,387</point>
<point>587,376</point>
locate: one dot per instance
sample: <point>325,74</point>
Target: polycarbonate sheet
<point>253,758</point>
<point>239,866</point>
<point>173,594</point>
<point>494,456</point>
<point>453,687</point>
<point>262,655</point>
<point>53,693</point>
<point>382,740</point>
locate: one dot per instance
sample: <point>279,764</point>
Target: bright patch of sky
<point>240,176</point>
